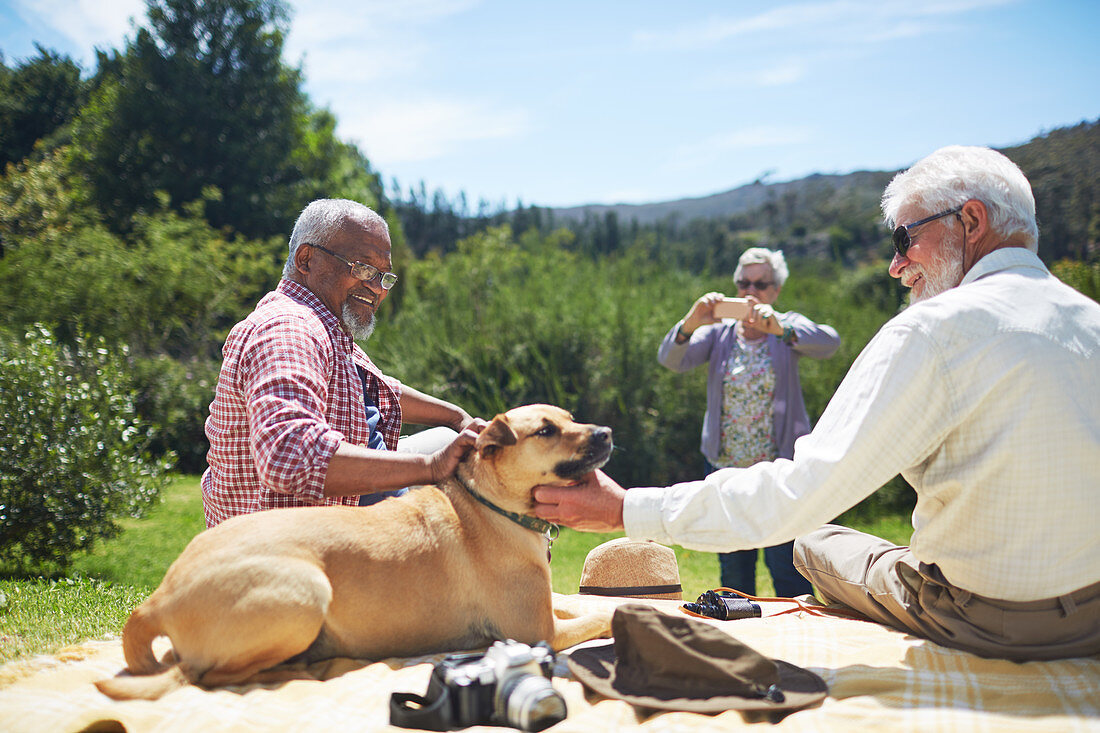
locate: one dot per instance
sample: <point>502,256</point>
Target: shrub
<point>73,455</point>
<point>175,395</point>
<point>1082,276</point>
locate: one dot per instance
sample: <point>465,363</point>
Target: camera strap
<point>409,710</point>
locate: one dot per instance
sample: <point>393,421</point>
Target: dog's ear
<point>495,436</point>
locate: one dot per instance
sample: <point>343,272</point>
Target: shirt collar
<point>306,297</point>
<point>1005,258</point>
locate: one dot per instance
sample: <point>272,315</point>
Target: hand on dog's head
<point>495,436</point>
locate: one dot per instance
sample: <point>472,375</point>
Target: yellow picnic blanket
<point>878,679</point>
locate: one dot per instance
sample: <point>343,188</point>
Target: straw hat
<point>631,568</point>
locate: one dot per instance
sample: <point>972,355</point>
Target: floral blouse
<point>748,394</point>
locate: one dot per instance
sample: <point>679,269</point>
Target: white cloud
<point>783,74</point>
<point>836,20</point>
<point>338,35</point>
<point>716,30</point>
<point>704,152</point>
<point>351,16</point>
<point>87,23</point>
<point>400,132</point>
<point>736,77</point>
<point>362,57</point>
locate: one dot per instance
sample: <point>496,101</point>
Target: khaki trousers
<point>886,583</point>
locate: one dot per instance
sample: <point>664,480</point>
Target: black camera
<point>507,685</point>
<point>723,606</point>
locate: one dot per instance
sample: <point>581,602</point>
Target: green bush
<point>73,454</point>
<point>1082,276</point>
<point>174,396</point>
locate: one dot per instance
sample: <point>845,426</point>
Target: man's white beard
<point>944,272</point>
<point>359,328</point>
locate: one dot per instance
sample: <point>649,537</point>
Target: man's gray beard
<point>360,329</point>
<point>942,273</point>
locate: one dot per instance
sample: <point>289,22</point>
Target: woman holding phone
<point>755,410</point>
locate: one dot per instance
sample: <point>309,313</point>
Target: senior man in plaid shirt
<point>982,394</point>
<point>301,415</point>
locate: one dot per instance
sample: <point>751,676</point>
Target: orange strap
<point>798,606</point>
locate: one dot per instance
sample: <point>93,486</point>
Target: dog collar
<point>532,523</point>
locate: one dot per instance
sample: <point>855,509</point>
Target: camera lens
<point>529,702</point>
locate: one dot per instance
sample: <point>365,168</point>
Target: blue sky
<point>568,102</point>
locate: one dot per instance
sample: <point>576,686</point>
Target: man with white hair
<point>301,415</point>
<point>982,394</point>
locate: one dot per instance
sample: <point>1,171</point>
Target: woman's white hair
<point>321,221</point>
<point>953,175</point>
<point>773,258</point>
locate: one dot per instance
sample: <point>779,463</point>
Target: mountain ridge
<point>734,201</point>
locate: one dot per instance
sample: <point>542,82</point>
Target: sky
<point>566,103</point>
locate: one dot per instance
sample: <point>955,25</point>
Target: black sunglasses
<point>902,239</point>
<point>756,284</point>
<point>360,270</point>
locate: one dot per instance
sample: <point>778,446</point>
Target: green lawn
<point>41,616</point>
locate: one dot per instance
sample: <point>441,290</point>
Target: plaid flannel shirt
<point>287,395</point>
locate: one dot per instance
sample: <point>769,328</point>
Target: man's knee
<point>805,547</point>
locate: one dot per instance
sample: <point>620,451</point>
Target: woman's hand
<point>762,319</point>
<point>702,312</point>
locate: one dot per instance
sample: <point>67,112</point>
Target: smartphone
<point>738,308</point>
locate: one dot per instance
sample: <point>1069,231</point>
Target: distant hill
<point>1063,166</point>
<point>833,216</point>
<point>861,184</point>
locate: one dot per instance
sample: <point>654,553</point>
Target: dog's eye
<point>547,431</point>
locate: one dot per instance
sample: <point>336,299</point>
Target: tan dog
<point>436,570</point>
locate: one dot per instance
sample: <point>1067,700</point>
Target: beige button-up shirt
<point>986,398</point>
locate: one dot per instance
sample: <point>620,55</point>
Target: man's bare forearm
<point>418,408</point>
<point>355,470</point>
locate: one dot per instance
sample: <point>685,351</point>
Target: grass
<point>141,554</point>
<point>40,616</point>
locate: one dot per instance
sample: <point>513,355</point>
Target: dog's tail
<point>150,687</point>
<point>146,678</point>
<point>137,639</point>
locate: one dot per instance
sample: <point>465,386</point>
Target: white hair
<point>321,220</point>
<point>953,175</point>
<point>762,256</point>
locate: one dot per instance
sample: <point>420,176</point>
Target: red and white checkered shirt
<point>287,395</point>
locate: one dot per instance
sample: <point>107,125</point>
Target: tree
<point>37,98</point>
<point>199,99</point>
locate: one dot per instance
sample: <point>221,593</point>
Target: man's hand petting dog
<point>593,504</point>
<point>443,462</point>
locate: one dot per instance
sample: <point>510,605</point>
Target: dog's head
<point>540,444</point>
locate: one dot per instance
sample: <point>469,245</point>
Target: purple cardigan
<point>714,343</point>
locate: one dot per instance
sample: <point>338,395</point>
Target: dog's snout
<point>601,435</point>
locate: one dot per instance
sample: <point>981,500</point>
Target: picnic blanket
<point>878,678</point>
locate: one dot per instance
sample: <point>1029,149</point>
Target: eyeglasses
<point>902,238</point>
<point>361,270</point>
<point>754,284</point>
